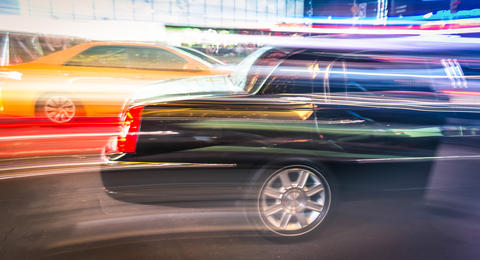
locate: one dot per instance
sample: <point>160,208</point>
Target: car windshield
<point>200,55</point>
<point>239,76</point>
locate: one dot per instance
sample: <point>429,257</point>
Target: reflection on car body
<point>307,123</point>
<point>73,82</point>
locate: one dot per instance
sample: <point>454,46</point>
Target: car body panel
<point>51,75</point>
<point>360,134</point>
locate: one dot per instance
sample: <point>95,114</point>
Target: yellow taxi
<point>92,79</point>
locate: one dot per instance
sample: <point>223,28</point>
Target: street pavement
<point>61,211</point>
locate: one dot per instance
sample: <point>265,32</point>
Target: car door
<point>377,110</point>
<point>291,123</point>
<point>276,116</point>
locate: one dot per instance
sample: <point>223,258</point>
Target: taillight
<point>130,126</point>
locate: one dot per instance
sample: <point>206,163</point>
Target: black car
<point>304,126</point>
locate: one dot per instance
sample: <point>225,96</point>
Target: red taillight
<point>130,126</point>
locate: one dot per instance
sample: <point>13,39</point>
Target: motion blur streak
<point>459,92</point>
<point>240,129</point>
<point>53,136</point>
<point>98,227</point>
<point>74,167</point>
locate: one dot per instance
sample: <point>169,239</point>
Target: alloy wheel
<point>294,201</point>
<point>59,109</point>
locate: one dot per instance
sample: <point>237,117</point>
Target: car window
<point>300,73</point>
<point>334,80</point>
<point>101,56</point>
<point>202,56</point>
<point>128,57</point>
<point>291,76</point>
<point>154,58</point>
<point>370,75</point>
<point>254,70</point>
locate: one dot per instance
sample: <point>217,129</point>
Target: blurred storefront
<point>382,9</point>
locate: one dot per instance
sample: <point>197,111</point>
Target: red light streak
<point>461,92</point>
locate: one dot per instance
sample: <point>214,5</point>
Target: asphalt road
<point>64,213</point>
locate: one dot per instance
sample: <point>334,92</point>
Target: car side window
<point>334,80</point>
<point>101,56</point>
<point>353,75</point>
<point>259,70</point>
<point>292,76</point>
<point>128,57</point>
<point>293,84</point>
<point>154,58</point>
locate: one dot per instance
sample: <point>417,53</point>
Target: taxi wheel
<point>292,201</point>
<point>57,108</point>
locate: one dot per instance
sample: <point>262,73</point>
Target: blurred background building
<point>390,8</point>
<point>213,13</point>
<point>33,28</point>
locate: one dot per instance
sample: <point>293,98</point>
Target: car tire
<point>289,201</point>
<point>57,108</point>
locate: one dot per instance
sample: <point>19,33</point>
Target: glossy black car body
<point>306,120</point>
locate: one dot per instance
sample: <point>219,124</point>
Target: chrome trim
<point>427,158</point>
<point>125,164</point>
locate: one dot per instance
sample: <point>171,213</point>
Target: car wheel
<point>57,108</point>
<point>291,201</point>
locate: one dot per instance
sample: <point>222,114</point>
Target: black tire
<point>303,222</point>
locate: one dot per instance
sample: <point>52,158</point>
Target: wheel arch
<point>320,165</point>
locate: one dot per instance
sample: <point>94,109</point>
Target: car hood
<point>185,88</point>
